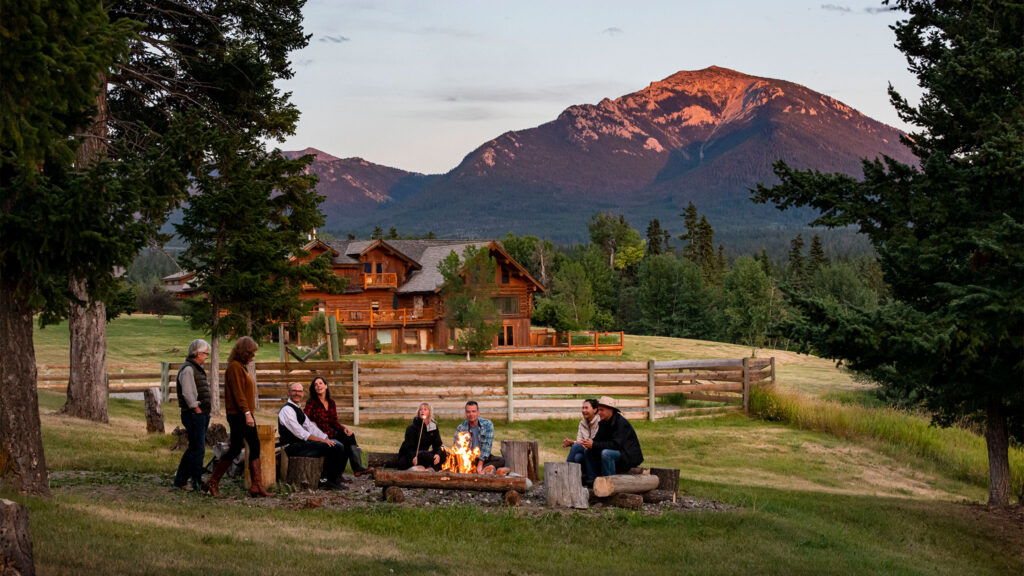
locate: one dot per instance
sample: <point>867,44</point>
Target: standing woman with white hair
<point>194,400</point>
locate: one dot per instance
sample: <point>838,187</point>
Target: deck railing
<point>380,280</point>
<point>380,316</point>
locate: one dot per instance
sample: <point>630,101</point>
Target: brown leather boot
<point>256,489</point>
<point>212,486</point>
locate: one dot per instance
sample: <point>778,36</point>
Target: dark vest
<point>287,438</point>
<point>202,386</point>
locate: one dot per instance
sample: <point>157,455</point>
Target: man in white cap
<point>615,448</point>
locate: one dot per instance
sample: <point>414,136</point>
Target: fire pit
<point>458,473</point>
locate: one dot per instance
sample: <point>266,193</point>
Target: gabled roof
<point>389,248</point>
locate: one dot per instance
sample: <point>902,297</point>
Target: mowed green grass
<point>805,503</point>
<point>805,498</point>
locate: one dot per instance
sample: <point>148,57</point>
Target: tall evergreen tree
<point>54,53</point>
<point>706,258</point>
<point>817,259</point>
<point>796,269</point>
<point>689,238</point>
<point>655,238</point>
<point>949,234</point>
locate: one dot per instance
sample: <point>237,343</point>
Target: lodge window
<point>380,267</point>
<point>505,336</point>
<point>506,305</point>
<point>367,268</point>
<point>504,276</point>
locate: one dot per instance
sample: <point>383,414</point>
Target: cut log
<point>268,464</point>
<point>631,501</point>
<point>522,457</point>
<point>216,434</point>
<point>656,496</point>
<point>154,414</point>
<point>605,486</point>
<point>304,473</point>
<point>563,485</point>
<point>513,498</point>
<point>15,544</point>
<point>450,481</point>
<point>394,494</point>
<point>638,471</point>
<point>668,479</point>
<point>381,460</point>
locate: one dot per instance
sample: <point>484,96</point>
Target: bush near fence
<point>367,391</point>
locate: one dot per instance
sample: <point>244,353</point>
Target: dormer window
<point>367,268</point>
<point>504,276</point>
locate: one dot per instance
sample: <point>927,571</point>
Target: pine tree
<point>689,238</point>
<point>797,268</point>
<point>655,237</point>
<point>949,234</point>
<point>818,260</point>
<point>706,258</point>
<point>54,52</point>
<point>378,233</point>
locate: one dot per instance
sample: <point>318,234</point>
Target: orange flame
<point>460,458</point>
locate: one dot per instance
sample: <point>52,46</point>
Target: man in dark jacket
<point>615,448</point>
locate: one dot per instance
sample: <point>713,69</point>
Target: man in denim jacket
<point>481,435</point>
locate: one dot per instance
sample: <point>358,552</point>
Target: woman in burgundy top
<point>322,410</point>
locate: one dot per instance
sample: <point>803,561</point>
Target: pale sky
<point>419,84</point>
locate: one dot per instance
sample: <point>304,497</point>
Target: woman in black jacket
<point>422,445</point>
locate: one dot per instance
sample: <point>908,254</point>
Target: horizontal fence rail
<point>367,391</point>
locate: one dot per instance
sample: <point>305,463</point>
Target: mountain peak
<point>320,154</point>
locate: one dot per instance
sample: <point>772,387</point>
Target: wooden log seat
<point>450,481</point>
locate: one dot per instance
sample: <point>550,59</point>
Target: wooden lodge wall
<point>367,391</point>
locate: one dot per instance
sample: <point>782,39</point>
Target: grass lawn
<point>805,497</point>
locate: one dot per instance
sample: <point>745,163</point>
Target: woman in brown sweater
<point>239,402</point>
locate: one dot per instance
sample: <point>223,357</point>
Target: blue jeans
<point>602,462</point>
<point>577,453</point>
<point>191,465</point>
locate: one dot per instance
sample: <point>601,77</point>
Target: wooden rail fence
<point>516,389</point>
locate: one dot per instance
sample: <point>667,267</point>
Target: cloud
<point>835,8</point>
<point>878,10</point>
<point>612,31</point>
<point>335,39</point>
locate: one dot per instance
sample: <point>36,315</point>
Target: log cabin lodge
<point>392,300</point>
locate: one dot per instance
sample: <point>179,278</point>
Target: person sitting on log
<point>322,410</point>
<point>615,448</point>
<point>587,430</point>
<point>300,438</point>
<point>422,446</point>
<point>481,435</point>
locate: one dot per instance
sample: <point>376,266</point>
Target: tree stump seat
<point>303,473</point>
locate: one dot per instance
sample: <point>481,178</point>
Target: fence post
<point>652,413</point>
<point>773,370</point>
<point>355,392</point>
<point>332,337</point>
<point>746,384</point>
<point>508,383</point>
<point>165,381</point>
<point>280,343</point>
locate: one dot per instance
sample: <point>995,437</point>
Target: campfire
<point>460,457</point>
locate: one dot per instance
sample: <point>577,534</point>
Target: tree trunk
<point>154,412</point>
<point>15,543</point>
<point>22,464</point>
<point>213,374</point>
<point>381,460</point>
<point>563,486</point>
<point>87,384</point>
<point>998,442</point>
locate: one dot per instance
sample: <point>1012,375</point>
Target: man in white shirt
<point>301,438</point>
